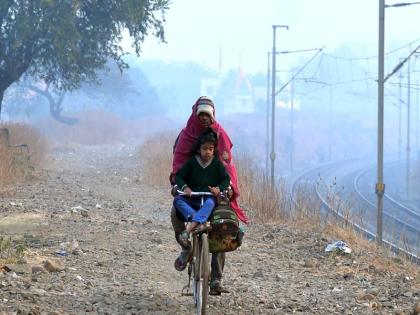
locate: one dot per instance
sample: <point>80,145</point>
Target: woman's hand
<point>215,191</point>
<point>187,191</point>
<point>229,192</point>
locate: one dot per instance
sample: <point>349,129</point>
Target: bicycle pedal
<point>187,294</point>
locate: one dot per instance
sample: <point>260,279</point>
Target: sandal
<point>181,261</point>
<point>184,239</point>
<point>216,288</point>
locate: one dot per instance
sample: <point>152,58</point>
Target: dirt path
<point>124,260</point>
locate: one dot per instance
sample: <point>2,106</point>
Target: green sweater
<point>198,176</point>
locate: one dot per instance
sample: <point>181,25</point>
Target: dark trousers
<point>217,259</point>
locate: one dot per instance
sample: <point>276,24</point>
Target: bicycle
<point>199,264</point>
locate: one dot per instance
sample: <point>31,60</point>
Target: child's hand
<point>187,191</point>
<point>215,191</point>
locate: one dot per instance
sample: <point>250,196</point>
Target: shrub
<point>265,203</point>
<point>156,158</point>
<point>10,251</point>
<point>22,149</point>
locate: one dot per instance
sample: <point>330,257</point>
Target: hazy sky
<point>197,29</point>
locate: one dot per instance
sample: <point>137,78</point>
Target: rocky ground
<point>99,241</point>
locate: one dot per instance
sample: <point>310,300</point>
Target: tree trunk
<point>55,105</point>
<point>56,114</point>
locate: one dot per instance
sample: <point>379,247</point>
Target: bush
<point>156,158</point>
<point>266,204</point>
<point>10,251</point>
<point>22,149</point>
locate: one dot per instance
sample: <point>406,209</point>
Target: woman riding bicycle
<point>203,117</point>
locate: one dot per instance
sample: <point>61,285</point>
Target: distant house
<point>240,98</point>
<point>209,86</point>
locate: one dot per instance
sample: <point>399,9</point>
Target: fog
<point>216,49</point>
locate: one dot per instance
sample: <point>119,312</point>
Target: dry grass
<point>264,205</point>
<point>10,251</point>
<point>17,162</point>
<point>156,158</point>
<point>25,134</point>
<point>95,127</point>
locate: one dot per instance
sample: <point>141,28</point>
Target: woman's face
<point>205,119</point>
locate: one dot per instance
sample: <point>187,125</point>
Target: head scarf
<point>189,135</point>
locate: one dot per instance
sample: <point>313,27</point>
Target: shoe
<point>184,239</point>
<point>216,288</point>
<point>202,228</point>
<point>182,260</point>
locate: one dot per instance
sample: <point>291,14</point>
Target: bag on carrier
<point>225,234</point>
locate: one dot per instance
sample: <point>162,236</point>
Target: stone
<point>309,263</point>
<point>38,269</point>
<point>373,291</point>
<point>19,268</point>
<point>53,265</point>
<point>365,297</point>
<point>258,274</point>
<point>416,309</point>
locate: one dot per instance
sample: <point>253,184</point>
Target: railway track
<point>402,233</point>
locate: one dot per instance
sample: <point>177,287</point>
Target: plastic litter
<point>338,246</point>
<point>61,252</point>
<point>77,208</point>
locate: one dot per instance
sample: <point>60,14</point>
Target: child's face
<point>206,151</point>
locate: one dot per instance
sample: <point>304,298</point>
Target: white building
<point>240,100</point>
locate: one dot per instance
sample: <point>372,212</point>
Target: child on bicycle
<point>204,173</point>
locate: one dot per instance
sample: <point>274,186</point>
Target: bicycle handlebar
<point>197,193</point>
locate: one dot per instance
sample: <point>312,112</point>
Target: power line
<point>402,4</point>
<point>398,67</point>
<point>373,56</point>
<point>299,71</point>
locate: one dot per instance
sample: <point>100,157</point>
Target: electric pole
<point>267,136</point>
<point>292,137</point>
<point>417,116</point>
<point>330,126</point>
<point>407,175</point>
<point>380,186</point>
<point>273,103</point>
<point>399,120</point>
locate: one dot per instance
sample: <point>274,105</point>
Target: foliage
<point>130,90</point>
<point>127,93</point>
<point>64,42</point>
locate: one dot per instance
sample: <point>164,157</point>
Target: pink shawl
<point>182,152</point>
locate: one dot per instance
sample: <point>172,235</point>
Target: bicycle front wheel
<point>204,271</point>
<point>197,282</point>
